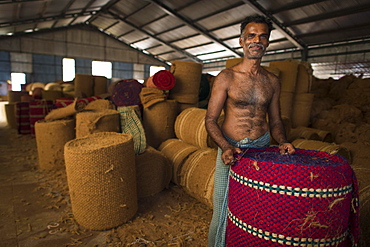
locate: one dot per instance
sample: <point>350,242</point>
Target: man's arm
<point>215,105</point>
<point>276,124</point>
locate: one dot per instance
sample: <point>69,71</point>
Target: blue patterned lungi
<point>217,229</point>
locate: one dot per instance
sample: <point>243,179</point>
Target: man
<point>247,93</point>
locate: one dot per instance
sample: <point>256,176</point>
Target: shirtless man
<point>247,93</point>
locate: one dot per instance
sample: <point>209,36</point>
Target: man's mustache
<point>258,45</point>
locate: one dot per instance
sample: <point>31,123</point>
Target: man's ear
<point>241,41</point>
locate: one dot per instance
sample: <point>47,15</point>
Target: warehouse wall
<point>40,55</point>
<point>4,66</point>
<point>46,68</point>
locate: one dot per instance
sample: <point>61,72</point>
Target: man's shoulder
<point>271,76</point>
<point>225,74</point>
<point>228,72</point>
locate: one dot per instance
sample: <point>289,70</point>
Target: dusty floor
<point>35,209</point>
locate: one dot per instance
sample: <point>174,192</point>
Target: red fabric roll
<point>88,99</point>
<point>23,118</point>
<point>306,199</point>
<point>164,80</point>
<point>127,92</point>
<point>63,102</point>
<point>149,83</point>
<point>38,110</point>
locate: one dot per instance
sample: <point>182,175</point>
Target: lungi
<point>217,230</point>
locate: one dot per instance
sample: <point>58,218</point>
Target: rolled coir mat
<point>159,122</point>
<point>99,104</point>
<point>150,96</point>
<point>101,177</point>
<point>10,112</point>
<point>301,113</point>
<point>63,110</point>
<point>183,106</point>
<point>177,152</point>
<point>190,127</point>
<point>89,122</point>
<point>51,94</point>
<point>188,76</point>
<point>303,133</point>
<point>233,61</point>
<point>126,92</point>
<point>331,148</point>
<point>163,80</point>
<point>304,78</point>
<point>153,172</point>
<point>310,134</point>
<point>197,175</point>
<point>84,85</point>
<point>50,139</point>
<point>288,74</point>
<point>132,125</point>
<point>306,199</point>
<point>286,104</point>
<point>100,85</point>
<point>15,96</point>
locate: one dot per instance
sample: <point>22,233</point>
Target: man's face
<point>254,40</point>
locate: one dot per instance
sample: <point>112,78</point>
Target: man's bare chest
<point>244,94</point>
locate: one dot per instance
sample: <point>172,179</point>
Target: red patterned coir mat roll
<point>309,198</point>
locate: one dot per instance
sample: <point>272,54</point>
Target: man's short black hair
<point>255,19</point>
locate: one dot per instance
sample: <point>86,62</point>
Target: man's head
<point>255,19</point>
<point>254,38</point>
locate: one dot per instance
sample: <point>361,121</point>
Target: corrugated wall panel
<point>84,66</point>
<point>21,62</point>
<point>122,70</point>
<point>4,66</point>
<point>76,42</point>
<point>47,47</point>
<point>46,68</point>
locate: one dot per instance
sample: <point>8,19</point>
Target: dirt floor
<point>35,209</point>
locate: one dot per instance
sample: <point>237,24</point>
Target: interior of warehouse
<point>102,118</point>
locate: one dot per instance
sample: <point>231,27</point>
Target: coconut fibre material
<point>306,199</point>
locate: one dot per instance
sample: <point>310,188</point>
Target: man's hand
<point>286,148</point>
<point>228,155</point>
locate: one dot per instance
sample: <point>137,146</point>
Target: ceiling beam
<point>232,6</point>
<point>328,15</point>
<point>295,5</point>
<point>102,10</point>
<point>69,4</point>
<point>138,49</point>
<point>340,30</point>
<point>278,25</point>
<point>47,18</point>
<point>200,29</point>
<point>19,1</point>
<point>190,56</point>
<point>83,10</point>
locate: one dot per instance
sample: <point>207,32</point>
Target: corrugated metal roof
<point>324,32</point>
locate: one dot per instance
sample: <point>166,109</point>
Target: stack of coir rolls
<point>192,154</point>
<point>295,97</point>
<point>186,89</point>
